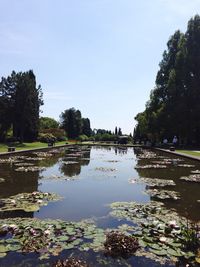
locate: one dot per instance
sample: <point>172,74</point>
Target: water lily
<point>172,223</point>
<point>47,232</point>
<point>163,239</point>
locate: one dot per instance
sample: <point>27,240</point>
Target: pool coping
<point>178,154</point>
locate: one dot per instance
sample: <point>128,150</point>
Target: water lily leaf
<point>158,252</point>
<point>63,238</point>
<point>31,208</point>
<point>3,249</point>
<point>197,259</point>
<point>142,243</point>
<point>175,253</point>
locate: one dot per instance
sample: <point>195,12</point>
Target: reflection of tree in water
<point>74,169</point>
<point>17,182</point>
<point>189,192</point>
<point>121,150</point>
<point>16,214</point>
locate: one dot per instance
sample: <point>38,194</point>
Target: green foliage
<point>105,137</point>
<point>47,123</point>
<point>46,137</point>
<point>73,123</point>
<point>59,134</point>
<point>173,108</point>
<point>20,101</point>
<point>83,137</point>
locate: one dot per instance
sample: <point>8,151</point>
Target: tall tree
<point>71,122</point>
<point>20,102</point>
<point>47,123</point>
<point>86,127</point>
<point>28,99</point>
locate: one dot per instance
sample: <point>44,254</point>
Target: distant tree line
<point>20,101</point>
<point>174,104</point>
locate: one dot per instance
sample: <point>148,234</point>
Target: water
<point>97,178</point>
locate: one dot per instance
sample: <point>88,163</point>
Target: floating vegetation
<point>191,178</point>
<point>10,160</point>
<point>2,180</point>
<point>102,169</point>
<point>163,194</point>
<point>34,158</point>
<point>186,165</point>
<point>196,172</point>
<point>155,166</point>
<point>132,181</point>
<point>23,164</point>
<point>160,232</point>
<point>147,155</point>
<point>120,245</point>
<point>164,162</point>
<point>155,182</point>
<point>48,237</point>
<point>30,169</point>
<point>70,262</point>
<point>43,154</point>
<point>69,162</point>
<point>29,202</point>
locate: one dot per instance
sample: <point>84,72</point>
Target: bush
<point>82,138</point>
<point>46,138</point>
<point>58,133</point>
<point>105,137</point>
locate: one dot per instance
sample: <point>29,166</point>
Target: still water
<point>90,178</point>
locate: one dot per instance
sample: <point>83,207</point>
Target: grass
<point>27,146</point>
<point>189,152</point>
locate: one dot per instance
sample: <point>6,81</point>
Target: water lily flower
<point>172,223</point>
<point>32,231</point>
<point>163,239</point>
<point>47,232</point>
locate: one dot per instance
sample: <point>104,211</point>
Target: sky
<point>98,56</point>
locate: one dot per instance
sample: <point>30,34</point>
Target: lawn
<point>26,146</point>
<point>189,152</point>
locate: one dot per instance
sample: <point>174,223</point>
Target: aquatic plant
<point>28,202</point>
<point>120,245</point>
<point>70,262</point>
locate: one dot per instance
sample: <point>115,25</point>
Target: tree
<point>119,132</point>
<point>20,101</point>
<point>47,123</point>
<point>116,131</point>
<point>86,127</point>
<point>28,99</point>
<point>71,122</point>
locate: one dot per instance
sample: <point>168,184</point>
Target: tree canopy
<point>173,107</point>
<point>73,123</point>
<point>47,123</point>
<point>20,102</point>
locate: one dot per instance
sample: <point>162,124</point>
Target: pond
<point>79,184</point>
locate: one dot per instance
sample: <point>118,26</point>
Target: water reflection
<point>72,162</point>
<point>187,205</point>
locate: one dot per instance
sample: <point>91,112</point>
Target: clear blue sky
<point>99,56</point>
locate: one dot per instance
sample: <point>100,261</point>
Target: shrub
<point>58,133</point>
<point>46,138</point>
<point>82,138</point>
